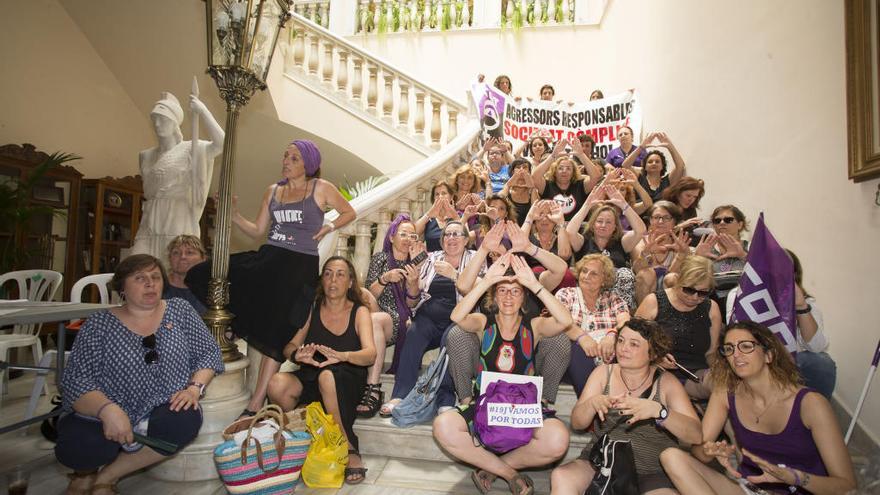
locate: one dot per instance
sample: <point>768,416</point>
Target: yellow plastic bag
<point>328,454</point>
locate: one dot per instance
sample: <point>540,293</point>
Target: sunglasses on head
<point>720,220</point>
<point>152,355</point>
<point>696,292</point>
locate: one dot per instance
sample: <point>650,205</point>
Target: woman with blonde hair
<point>692,319</point>
<point>598,311</point>
<point>469,185</point>
<point>787,437</point>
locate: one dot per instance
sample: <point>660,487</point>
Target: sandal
<point>370,402</point>
<point>86,480</point>
<point>389,406</point>
<point>514,485</point>
<point>483,480</point>
<point>105,486</point>
<point>359,473</point>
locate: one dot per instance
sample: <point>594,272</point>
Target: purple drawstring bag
<point>501,439</point>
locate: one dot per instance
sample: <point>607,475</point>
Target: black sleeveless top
<point>508,356</point>
<point>613,250</point>
<point>689,332</point>
<point>319,334</point>
<point>570,200</point>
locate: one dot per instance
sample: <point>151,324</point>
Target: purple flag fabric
<point>490,107</point>
<point>767,288</point>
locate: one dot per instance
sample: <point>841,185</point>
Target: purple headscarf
<point>311,157</point>
<point>398,290</point>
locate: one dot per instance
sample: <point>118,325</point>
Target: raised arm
<point>636,153</point>
<point>594,172</point>
<point>573,229</point>
<point>539,171</point>
<point>463,314</point>
<point>631,238</point>
<point>470,275</point>
<point>555,266</point>
<point>646,201</point>
<point>256,229</point>
<point>560,316</point>
<point>679,170</point>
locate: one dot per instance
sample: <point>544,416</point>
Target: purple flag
<point>767,288</point>
<point>490,107</point>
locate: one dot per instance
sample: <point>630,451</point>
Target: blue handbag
<point>420,404</point>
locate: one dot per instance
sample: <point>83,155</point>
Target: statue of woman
<point>176,177</point>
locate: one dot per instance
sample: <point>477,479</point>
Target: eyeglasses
<point>720,220</point>
<point>404,235</point>
<point>696,292</point>
<point>744,346</point>
<point>152,355</point>
<point>495,152</point>
<point>453,235</point>
<point>661,218</point>
<point>515,292</point>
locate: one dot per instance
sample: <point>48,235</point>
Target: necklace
<point>766,408</point>
<point>629,391</point>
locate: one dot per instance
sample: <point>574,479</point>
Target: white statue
<point>176,175</point>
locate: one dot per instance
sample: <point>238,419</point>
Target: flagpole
<point>852,424</point>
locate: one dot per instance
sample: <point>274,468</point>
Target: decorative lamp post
<point>241,40</point>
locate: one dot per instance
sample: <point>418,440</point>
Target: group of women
<point>556,275</point>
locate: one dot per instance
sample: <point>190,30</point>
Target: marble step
<point>378,436</point>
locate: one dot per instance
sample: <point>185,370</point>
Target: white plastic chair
<point>33,285</point>
<point>102,281</point>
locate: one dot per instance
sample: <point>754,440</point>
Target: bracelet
<point>539,291</point>
<point>537,248</point>
<point>624,209</point>
<point>797,478</point>
<point>379,281</point>
<point>98,414</point>
<point>610,332</point>
<point>332,226</point>
<point>414,297</point>
<point>527,220</point>
<point>804,311</point>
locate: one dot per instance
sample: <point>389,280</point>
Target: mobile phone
<point>701,231</point>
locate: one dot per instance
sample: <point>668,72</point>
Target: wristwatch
<point>201,387</point>
<point>664,413</point>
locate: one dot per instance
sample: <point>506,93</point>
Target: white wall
<point>752,92</point>
<point>57,94</point>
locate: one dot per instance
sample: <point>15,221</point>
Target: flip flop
<point>385,411</point>
<point>483,480</point>
<point>360,473</point>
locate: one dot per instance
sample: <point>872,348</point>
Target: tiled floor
<point>386,476</point>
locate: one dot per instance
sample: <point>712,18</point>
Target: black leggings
<point>82,446</point>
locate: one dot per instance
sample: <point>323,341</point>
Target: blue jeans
<point>818,371</point>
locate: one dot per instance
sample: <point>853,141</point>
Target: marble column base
<point>226,396</point>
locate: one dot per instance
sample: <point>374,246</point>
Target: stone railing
<point>371,88</point>
<point>408,192</point>
<point>397,16</point>
<point>317,11</point>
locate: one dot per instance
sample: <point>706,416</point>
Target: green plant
<point>16,211</point>
<point>360,188</point>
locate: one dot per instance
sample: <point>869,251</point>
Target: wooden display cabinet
<point>109,218</point>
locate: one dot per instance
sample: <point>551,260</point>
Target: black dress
<point>350,378</point>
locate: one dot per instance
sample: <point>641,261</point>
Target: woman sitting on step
<point>635,401</point>
<point>401,253</point>
<point>433,295</point>
<point>333,350</point>
<point>509,340</point>
<point>140,368</point>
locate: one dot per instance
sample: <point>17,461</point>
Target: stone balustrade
<point>317,11</point>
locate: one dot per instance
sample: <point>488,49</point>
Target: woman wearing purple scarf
<point>271,290</point>
<point>401,255</point>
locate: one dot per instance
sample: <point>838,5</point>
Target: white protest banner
<point>513,415</point>
<point>599,118</point>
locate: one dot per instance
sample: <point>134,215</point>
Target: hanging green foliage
<point>446,20</point>
<point>517,19</point>
<point>559,14</point>
<point>419,16</point>
<point>530,13</point>
<point>459,13</point>
<point>367,17</point>
<point>432,17</point>
<point>383,18</point>
<point>395,17</point>
<point>545,11</point>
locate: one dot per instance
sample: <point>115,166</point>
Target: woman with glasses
<point>558,177</point>
<point>692,319</point>
<point>634,401</point>
<point>140,368</point>
<point>654,178</point>
<point>787,436</point>
<point>401,254</point>
<point>660,251</point>
<point>333,350</point>
<point>597,312</point>
<point>508,346</point>
<point>431,224</point>
<point>726,249</point>
<point>432,295</point>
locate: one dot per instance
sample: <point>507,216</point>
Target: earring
<point>122,295</point>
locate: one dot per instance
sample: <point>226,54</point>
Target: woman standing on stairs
<point>271,289</point>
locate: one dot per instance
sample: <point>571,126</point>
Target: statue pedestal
<point>226,396</point>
